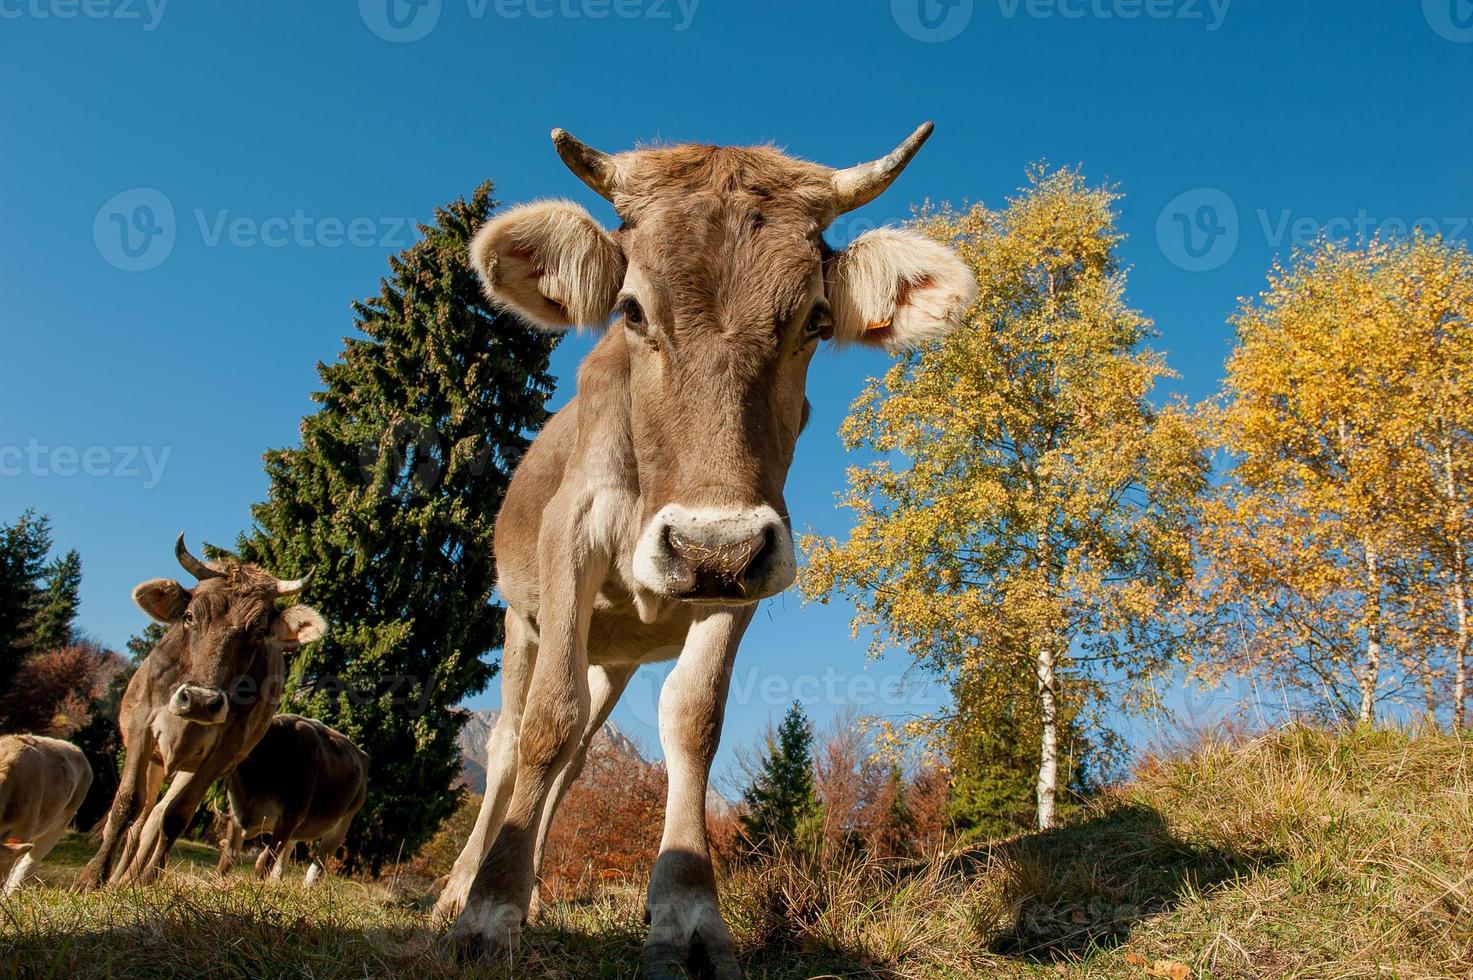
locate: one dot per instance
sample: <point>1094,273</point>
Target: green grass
<point>1297,854</point>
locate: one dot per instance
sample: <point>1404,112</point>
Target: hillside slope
<point>1300,853</point>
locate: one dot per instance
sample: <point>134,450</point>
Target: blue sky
<point>264,158</point>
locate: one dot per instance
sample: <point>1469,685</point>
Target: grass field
<point>1297,854</point>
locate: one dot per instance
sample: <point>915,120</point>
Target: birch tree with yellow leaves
<point>1335,556</point>
<point>1026,512</point>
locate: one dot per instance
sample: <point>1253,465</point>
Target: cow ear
<point>551,263</point>
<point>897,289</point>
<point>163,599</point>
<point>297,626</point>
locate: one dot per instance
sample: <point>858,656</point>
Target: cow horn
<point>291,586</point>
<point>594,167</point>
<point>191,564</point>
<point>856,186</point>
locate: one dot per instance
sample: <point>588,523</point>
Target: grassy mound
<point>1300,853</point>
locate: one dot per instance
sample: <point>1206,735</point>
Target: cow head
<point>721,288</point>
<point>224,624</point>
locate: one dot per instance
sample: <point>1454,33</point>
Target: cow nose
<point>193,703</point>
<point>716,569</point>
<point>738,556</point>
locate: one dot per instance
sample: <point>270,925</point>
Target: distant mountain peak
<point>477,729</point>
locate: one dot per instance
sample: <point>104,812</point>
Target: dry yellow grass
<point>1300,853</point>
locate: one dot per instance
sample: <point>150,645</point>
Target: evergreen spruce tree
<point>23,549</point>
<point>781,805</point>
<point>57,603</point>
<point>141,643</point>
<point>391,497</point>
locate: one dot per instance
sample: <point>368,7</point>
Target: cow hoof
<point>706,952</point>
<point>448,906</point>
<point>534,907</point>
<point>88,881</point>
<point>485,932</point>
<point>700,958</point>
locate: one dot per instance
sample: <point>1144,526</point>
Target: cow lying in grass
<point>302,782</point>
<point>197,705</point>
<point>647,520</point>
<point>42,783</point>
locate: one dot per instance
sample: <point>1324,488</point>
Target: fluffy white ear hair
<point>296,626</point>
<point>897,289</point>
<point>550,263</point>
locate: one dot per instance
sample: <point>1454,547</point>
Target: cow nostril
<point>757,564</point>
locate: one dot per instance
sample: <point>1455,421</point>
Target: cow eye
<point>188,618</point>
<point>630,310</point>
<point>820,321</point>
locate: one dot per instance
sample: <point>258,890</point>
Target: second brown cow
<point>303,782</point>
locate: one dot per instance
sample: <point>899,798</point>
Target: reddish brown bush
<point>608,825</point>
<point>53,691</point>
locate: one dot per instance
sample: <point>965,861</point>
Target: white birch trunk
<point>1048,761</point>
<point>1371,675</point>
<point>1460,591</point>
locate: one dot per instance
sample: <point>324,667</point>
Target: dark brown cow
<point>648,519</point>
<point>199,703</point>
<point>302,782</point>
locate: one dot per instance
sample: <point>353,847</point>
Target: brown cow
<point>198,704</point>
<point>42,783</point>
<point>302,782</point>
<point>647,519</point>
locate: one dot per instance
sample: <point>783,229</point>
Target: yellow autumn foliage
<point>1022,521</point>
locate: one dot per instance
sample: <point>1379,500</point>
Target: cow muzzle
<point>202,705</point>
<point>722,556</point>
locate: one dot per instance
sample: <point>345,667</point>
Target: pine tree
<point>140,643</point>
<point>23,549</point>
<point>392,498</point>
<point>781,803</point>
<point>57,603</point>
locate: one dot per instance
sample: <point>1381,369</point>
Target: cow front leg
<point>605,685</point>
<point>555,712</point>
<point>686,928</point>
<point>519,655</point>
<point>230,847</point>
<point>132,800</point>
<point>169,818</point>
